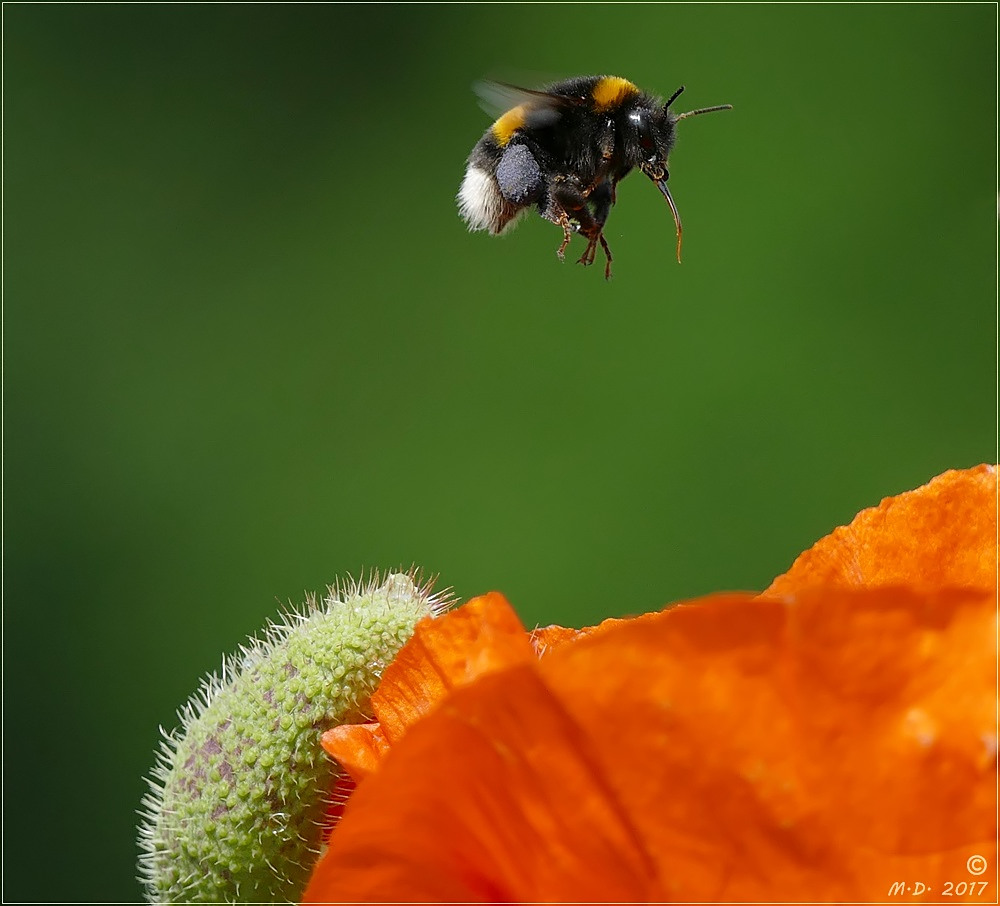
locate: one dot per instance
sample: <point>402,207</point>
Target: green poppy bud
<point>240,792</point>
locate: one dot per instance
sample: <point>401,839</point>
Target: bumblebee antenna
<point>681,116</point>
<point>701,110</point>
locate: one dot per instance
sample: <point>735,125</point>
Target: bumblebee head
<point>650,138</point>
<point>651,131</point>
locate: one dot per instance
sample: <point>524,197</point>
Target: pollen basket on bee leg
<point>519,177</point>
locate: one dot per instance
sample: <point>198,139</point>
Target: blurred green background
<point>249,346</point>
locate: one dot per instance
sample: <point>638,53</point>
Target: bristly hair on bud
<point>240,791</point>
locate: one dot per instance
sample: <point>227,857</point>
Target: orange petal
<point>485,823</point>
<point>942,534</point>
<point>358,747</point>
<point>547,638</point>
<point>732,748</point>
<point>813,749</point>
<point>445,653</point>
<point>482,636</point>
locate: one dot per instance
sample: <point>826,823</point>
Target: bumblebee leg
<point>519,176</point>
<point>607,255</point>
<point>574,203</point>
<point>562,219</point>
<point>590,253</point>
<point>602,198</point>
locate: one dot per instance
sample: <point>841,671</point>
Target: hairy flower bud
<point>240,790</point>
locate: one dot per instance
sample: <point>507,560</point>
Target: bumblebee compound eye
<point>519,176</point>
<point>643,130</point>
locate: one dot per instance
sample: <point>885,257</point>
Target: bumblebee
<point>563,150</point>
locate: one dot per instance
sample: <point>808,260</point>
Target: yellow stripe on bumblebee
<point>611,91</point>
<point>505,127</point>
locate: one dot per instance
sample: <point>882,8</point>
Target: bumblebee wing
<point>544,108</point>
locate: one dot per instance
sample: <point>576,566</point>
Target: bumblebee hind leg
<point>519,176</point>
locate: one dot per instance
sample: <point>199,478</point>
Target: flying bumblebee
<point>563,150</point>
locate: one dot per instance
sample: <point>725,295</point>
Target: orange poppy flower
<point>826,740</point>
<point>942,534</point>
